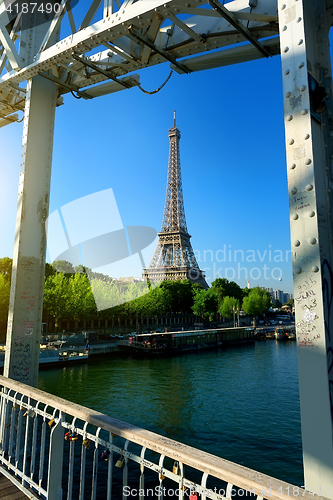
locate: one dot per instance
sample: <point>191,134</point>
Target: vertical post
<point>26,298</point>
<point>54,477</point>
<point>307,88</point>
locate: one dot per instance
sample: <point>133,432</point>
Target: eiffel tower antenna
<point>174,258</point>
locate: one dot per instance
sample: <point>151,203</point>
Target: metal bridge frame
<point>101,57</point>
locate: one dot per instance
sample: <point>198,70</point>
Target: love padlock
<point>105,455</point>
<point>86,443</point>
<point>193,496</point>
<point>120,463</point>
<point>175,468</point>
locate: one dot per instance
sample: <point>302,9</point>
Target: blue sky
<point>232,156</point>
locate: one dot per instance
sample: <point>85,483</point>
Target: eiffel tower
<point>174,258</point>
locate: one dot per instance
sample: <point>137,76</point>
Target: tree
<point>6,268</point>
<point>229,306</point>
<point>63,266</point>
<point>257,301</point>
<point>224,288</point>
<point>205,303</point>
<point>4,297</point>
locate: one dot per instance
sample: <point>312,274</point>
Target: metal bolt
<point>285,28</point>
<point>283,6</point>
<point>298,270</point>
<point>292,166</point>
<point>300,42</point>
<point>304,111</point>
<point>294,190</point>
<point>312,241</point>
<point>311,213</point>
<point>301,65</point>
<point>286,49</point>
<point>288,94</point>
<point>314,269</point>
<point>291,141</point>
<point>302,88</point>
<point>297,243</point>
<point>307,161</point>
<point>294,216</point>
<point>309,187</point>
<point>306,137</point>
<point>287,72</point>
<point>289,118</point>
<point>299,19</point>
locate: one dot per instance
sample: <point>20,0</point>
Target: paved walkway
<point>10,492</point>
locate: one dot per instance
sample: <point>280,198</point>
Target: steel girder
<point>129,37</point>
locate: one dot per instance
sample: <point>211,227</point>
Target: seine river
<point>241,403</point>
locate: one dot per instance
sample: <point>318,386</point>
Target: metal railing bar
<point>95,467</point>
<point>125,469</point>
<point>33,448</point>
<point>110,469</point>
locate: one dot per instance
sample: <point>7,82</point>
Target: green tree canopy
<point>205,303</point>
<point>4,297</point>
<point>6,268</point>
<point>257,301</point>
<point>229,306</point>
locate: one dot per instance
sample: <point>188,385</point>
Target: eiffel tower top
<point>174,212</point>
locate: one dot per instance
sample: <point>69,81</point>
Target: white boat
<point>56,357</point>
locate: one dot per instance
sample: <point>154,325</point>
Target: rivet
<point>299,19</point>
<point>297,243</point>
<point>298,270</point>
<point>294,190</point>
<point>300,42</point>
<point>312,241</point>
<point>286,49</point>
<point>285,28</point>
<point>306,137</point>
<point>287,72</point>
<point>283,6</point>
<point>294,216</point>
<point>304,111</point>
<point>301,65</point>
<point>291,141</point>
<point>288,94</point>
<point>314,269</point>
<point>309,187</point>
<point>307,161</point>
<point>292,166</point>
<point>311,213</point>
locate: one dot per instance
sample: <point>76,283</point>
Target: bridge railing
<point>60,450</point>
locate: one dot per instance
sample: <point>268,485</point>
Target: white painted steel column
<point>26,299</point>
<point>306,62</point>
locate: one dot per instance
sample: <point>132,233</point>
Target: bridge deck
<point>10,492</point>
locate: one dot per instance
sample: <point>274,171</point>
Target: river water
<point>240,403</point>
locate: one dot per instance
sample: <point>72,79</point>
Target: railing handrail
<point>240,476</point>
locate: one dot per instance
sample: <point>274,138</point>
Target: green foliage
<point>229,306</point>
<point>6,268</point>
<point>224,288</point>
<point>4,297</point>
<point>257,301</point>
<point>205,303</point>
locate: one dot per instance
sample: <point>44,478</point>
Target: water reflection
<point>241,403</point>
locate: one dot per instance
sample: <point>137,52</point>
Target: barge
<point>184,341</point>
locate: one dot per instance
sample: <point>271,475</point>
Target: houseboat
<point>174,342</point>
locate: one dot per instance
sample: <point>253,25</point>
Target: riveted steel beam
<point>307,88</point>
